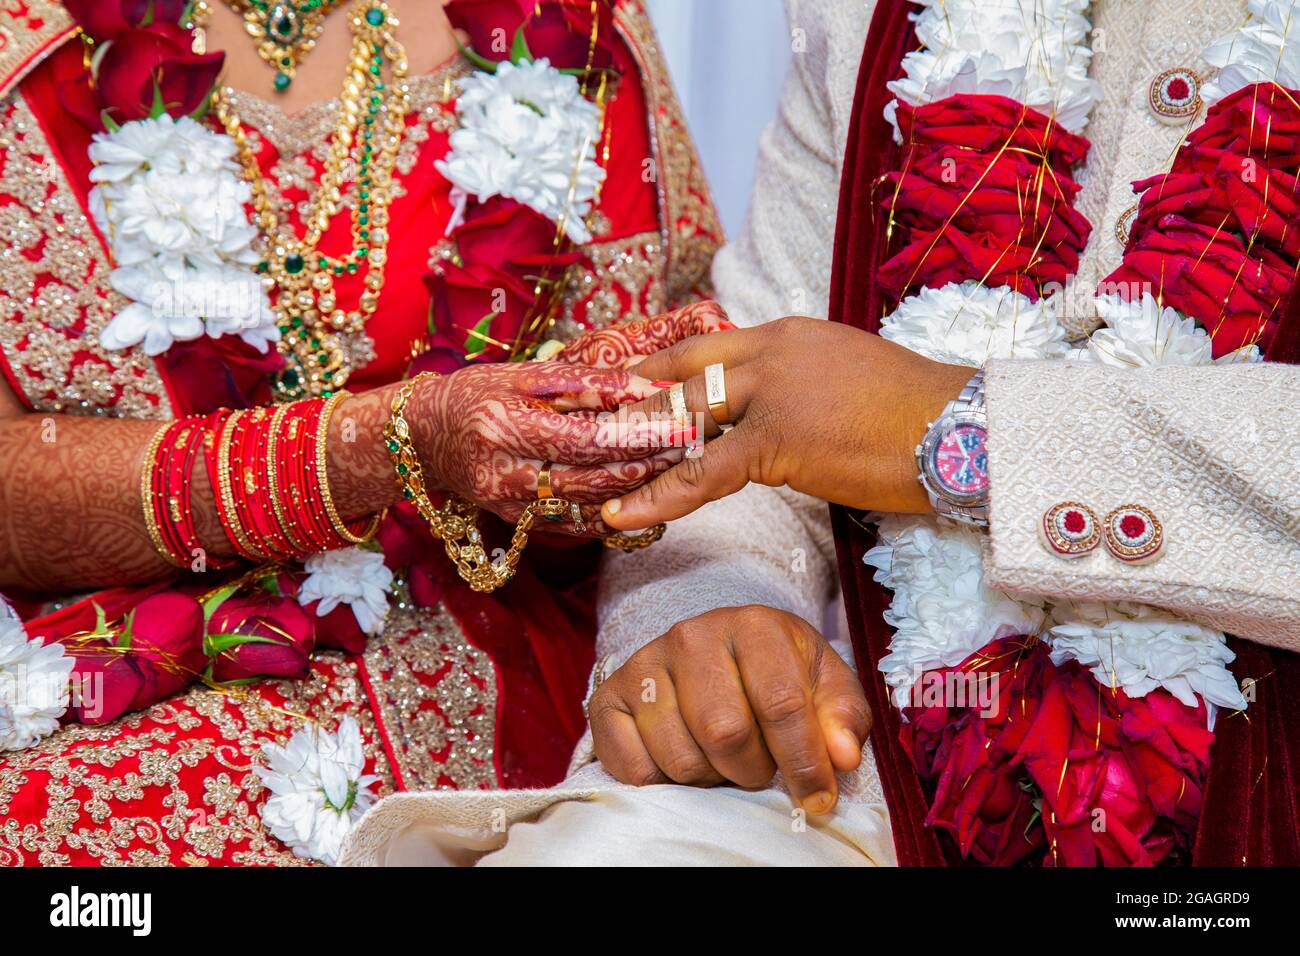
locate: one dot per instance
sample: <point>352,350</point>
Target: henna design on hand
<point>622,345</point>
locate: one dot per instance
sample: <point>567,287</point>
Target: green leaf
<point>123,639</point>
<point>270,582</point>
<point>214,644</point>
<point>217,599</point>
<point>159,106</point>
<point>482,62</point>
<point>110,124</point>
<point>519,52</point>
<point>478,336</point>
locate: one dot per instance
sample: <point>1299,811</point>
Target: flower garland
<point>1026,775</point>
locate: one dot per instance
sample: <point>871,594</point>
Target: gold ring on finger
<point>715,392</point>
<point>544,482</point>
<point>677,402</point>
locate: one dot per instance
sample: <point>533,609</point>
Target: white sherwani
<point>1231,507</point>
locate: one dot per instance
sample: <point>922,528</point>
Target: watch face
<point>960,461</point>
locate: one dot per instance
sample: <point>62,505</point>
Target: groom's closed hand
<point>732,696</point>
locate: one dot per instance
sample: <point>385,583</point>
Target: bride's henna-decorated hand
<point>622,345</point>
<point>484,432</point>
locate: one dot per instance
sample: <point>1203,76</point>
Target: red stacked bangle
<point>166,486</point>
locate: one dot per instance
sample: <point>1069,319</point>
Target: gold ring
<point>544,482</point>
<point>715,392</point>
<point>677,402</point>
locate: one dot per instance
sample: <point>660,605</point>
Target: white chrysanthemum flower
<point>174,302</point>
<point>1139,648</point>
<point>170,200</point>
<point>1265,50</point>
<point>1145,333</point>
<point>352,576</point>
<point>1033,51</point>
<point>318,790</point>
<point>942,611</point>
<point>34,689</point>
<point>527,133</point>
<point>968,324</point>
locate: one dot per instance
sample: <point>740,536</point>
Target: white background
<point>728,59</point>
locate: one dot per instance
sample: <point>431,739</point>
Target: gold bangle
<point>146,495</point>
<point>322,475</point>
<point>635,542</point>
<point>236,530</point>
<point>273,481</point>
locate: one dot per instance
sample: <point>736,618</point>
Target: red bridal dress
<point>462,690</point>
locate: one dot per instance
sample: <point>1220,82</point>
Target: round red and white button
<point>1070,530</point>
<point>1175,95</point>
<point>1134,534</point>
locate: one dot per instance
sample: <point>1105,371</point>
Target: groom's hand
<point>829,410</point>
<point>734,695</point>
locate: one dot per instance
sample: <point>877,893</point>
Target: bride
<point>292,291</point>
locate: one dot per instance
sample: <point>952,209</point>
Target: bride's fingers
<point>573,440</point>
<point>740,386</point>
<point>586,484</point>
<point>621,345</point>
<point>572,387</point>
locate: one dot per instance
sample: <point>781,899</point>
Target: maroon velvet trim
<point>857,300</point>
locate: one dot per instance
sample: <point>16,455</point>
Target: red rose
<point>103,20</point>
<point>152,66</point>
<point>262,634</point>
<point>1206,272</point>
<point>559,30</point>
<point>977,193</point>
<point>1261,121</point>
<point>157,651</point>
<point>224,372</point>
<point>935,258</point>
<point>970,756</point>
<point>1121,778</point>
<point>507,235</point>
<point>987,124</point>
<point>481,308</point>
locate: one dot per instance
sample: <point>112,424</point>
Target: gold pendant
<point>285,31</point>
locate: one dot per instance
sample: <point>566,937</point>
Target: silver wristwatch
<point>953,457</point>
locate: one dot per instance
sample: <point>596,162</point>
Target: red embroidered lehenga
<point>468,691</point>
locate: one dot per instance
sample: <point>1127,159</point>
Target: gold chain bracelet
<point>456,522</point>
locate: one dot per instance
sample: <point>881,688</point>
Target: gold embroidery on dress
<point>437,698</point>
<point>30,30</point>
<point>88,781</point>
<point>623,282</point>
<point>691,230</point>
<point>56,299</point>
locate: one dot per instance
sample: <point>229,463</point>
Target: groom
<point>730,696</point>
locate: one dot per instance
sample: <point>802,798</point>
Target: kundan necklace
<point>285,31</point>
<point>372,121</point>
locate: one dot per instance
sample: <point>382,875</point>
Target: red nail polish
<point>664,384</point>
<point>725,325</point>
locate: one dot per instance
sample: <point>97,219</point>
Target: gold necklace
<point>310,320</point>
<point>285,31</point>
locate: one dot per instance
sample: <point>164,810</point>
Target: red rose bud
<point>103,20</point>
<point>265,634</point>
<point>482,309</point>
<point>156,651</point>
<point>988,124</point>
<point>155,68</point>
<point>507,235</point>
<point>562,31</point>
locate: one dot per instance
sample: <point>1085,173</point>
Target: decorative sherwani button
<point>1175,95</point>
<point>1070,530</point>
<point>1134,534</point>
